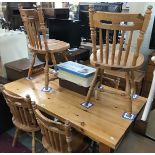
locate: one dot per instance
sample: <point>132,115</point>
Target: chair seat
<point>54,46</point>
<point>24,127</point>
<point>128,65</point>
<point>79,143</point>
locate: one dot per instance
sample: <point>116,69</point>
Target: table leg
<point>104,148</point>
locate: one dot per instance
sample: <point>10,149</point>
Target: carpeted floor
<point>23,145</point>
<point>6,142</point>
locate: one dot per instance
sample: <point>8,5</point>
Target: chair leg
<point>98,86</point>
<point>31,66</point>
<point>15,137</point>
<point>117,82</point>
<point>101,76</point>
<point>96,90</point>
<point>46,72</point>
<point>53,59</point>
<point>92,85</point>
<point>33,142</point>
<point>128,93</point>
<point>65,56</point>
<point>133,87</point>
<point>54,72</point>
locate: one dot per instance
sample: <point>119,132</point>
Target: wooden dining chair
<point>22,115</point>
<point>58,136</point>
<point>34,25</point>
<point>121,58</point>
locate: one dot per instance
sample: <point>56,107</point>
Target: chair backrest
<point>21,109</point>
<point>112,22</point>
<point>55,133</point>
<point>34,25</point>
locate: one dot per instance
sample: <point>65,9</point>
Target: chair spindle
<point>128,48</point>
<point>51,139</point>
<point>113,48</point>
<point>120,48</point>
<point>101,45</point>
<point>107,46</point>
<point>93,32</point>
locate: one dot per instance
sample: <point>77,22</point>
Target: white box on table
<point>79,74</point>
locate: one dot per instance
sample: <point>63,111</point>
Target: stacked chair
<point>34,25</point>
<point>112,58</point>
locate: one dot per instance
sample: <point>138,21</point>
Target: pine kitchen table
<point>103,122</point>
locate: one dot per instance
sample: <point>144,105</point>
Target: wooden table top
<point>103,122</point>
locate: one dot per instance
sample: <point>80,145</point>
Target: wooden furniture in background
<point>103,122</point>
<point>23,116</point>
<point>19,68</point>
<point>34,25</point>
<point>138,78</point>
<point>58,137</point>
<point>121,59</point>
<point>11,12</point>
<point>47,4</point>
<point>148,76</point>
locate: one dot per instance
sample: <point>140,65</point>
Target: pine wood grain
<point>103,122</point>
